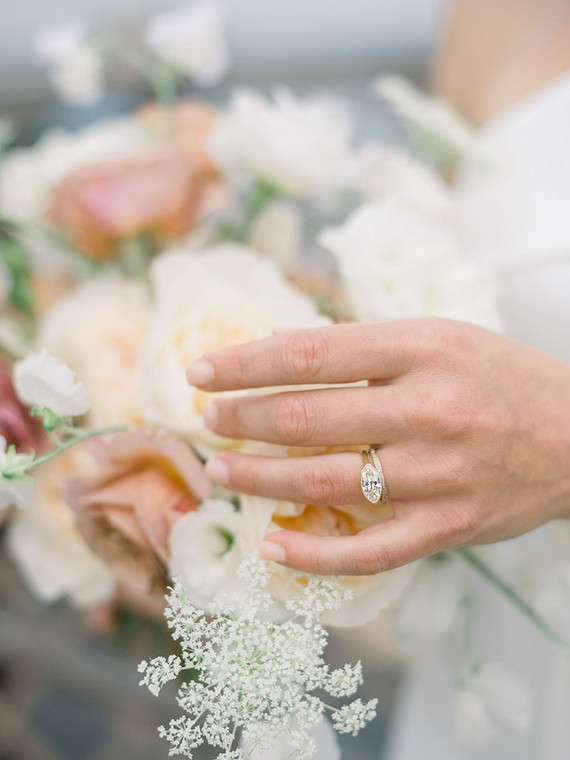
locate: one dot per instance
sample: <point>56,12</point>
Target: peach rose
<point>149,481</point>
<point>154,193</point>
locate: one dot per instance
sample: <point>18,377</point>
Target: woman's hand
<point>473,432</point>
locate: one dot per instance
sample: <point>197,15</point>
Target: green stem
<point>73,442</point>
<point>513,596</point>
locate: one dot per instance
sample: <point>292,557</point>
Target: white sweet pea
<point>75,67</point>
<point>430,605</point>
<point>439,128</point>
<point>204,552</point>
<point>13,490</point>
<point>193,39</point>
<point>397,263</point>
<point>486,697</point>
<point>301,147</point>
<point>43,381</point>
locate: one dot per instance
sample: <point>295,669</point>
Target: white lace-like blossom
<point>487,696</point>
<point>193,39</point>
<point>253,675</point>
<point>397,263</point>
<point>439,130</point>
<point>16,489</point>
<point>42,381</point>
<point>74,67</point>
<point>300,146</point>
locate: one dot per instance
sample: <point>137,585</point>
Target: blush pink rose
<point>154,193</point>
<point>148,481</point>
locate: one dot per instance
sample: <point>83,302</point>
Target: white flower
<point>301,147</point>
<point>489,695</point>
<point>206,300</point>
<point>369,594</point>
<point>277,232</point>
<point>51,554</point>
<point>396,263</point>
<point>14,490</point>
<point>46,382</point>
<point>75,68</point>
<point>389,172</point>
<point>204,552</point>
<point>98,330</point>
<point>430,604</point>
<point>255,676</point>
<point>439,128</point>
<point>193,39</point>
<point>327,747</point>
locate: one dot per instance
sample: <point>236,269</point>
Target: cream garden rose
<point>98,330</point>
<point>204,300</point>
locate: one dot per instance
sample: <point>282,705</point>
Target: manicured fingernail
<point>271,551</point>
<point>218,471</point>
<point>210,415</point>
<point>200,373</point>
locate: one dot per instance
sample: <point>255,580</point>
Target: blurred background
<point>67,693</point>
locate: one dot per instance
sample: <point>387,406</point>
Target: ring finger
<point>322,480</point>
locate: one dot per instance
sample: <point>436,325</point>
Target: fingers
<point>405,538</point>
<point>326,417</point>
<point>336,354</point>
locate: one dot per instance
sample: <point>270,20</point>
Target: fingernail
<point>200,372</point>
<point>210,415</point>
<point>218,470</point>
<point>271,551</point>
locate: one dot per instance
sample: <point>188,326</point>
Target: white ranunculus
<point>13,492</point>
<point>99,329</point>
<point>386,171</point>
<point>193,39</point>
<point>439,127</point>
<point>397,263</point>
<point>51,554</point>
<point>489,696</point>
<point>46,382</point>
<point>204,551</point>
<point>431,603</point>
<point>205,300</point>
<point>74,67</point>
<point>301,147</point>
<point>277,232</point>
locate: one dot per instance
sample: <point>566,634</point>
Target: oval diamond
<point>371,483</point>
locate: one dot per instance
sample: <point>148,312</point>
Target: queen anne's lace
<point>255,676</point>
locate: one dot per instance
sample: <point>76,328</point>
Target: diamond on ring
<point>372,479</point>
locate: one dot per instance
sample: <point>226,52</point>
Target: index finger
<point>336,354</point>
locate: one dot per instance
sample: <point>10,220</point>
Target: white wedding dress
<point>516,217</point>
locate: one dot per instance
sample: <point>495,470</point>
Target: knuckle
<point>462,524</point>
<point>444,410</point>
<point>305,354</point>
<point>293,422</point>
<point>374,559</point>
<point>321,487</point>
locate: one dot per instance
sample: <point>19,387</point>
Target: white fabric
<point>516,214</point>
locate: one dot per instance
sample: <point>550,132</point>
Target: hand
<point>473,430</point>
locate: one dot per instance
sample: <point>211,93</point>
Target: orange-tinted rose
<point>148,481</point>
<point>155,193</point>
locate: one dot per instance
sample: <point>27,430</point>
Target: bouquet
<point>133,246</point>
